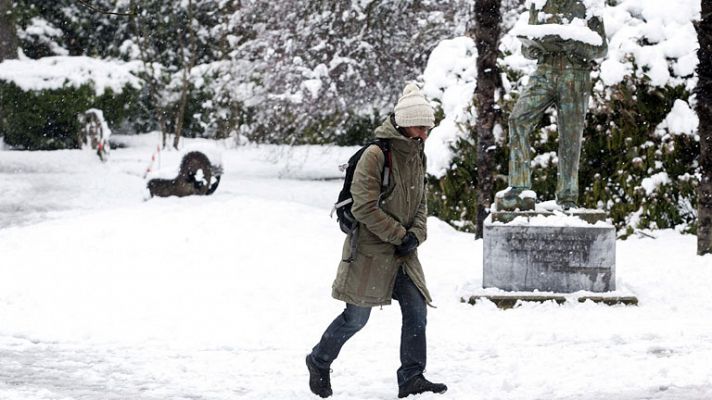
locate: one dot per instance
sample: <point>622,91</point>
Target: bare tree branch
<point>187,68</point>
<point>150,80</point>
<point>95,9</point>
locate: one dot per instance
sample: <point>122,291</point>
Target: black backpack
<point>343,204</point>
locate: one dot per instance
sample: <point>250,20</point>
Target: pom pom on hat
<point>413,110</point>
<point>411,88</point>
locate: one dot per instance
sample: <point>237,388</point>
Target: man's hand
<point>408,245</point>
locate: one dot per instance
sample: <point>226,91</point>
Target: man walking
<point>385,262</point>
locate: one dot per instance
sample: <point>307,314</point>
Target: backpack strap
<point>385,146</point>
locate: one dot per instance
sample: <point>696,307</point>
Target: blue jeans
<point>413,345</point>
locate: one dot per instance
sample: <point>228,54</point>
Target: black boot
<point>419,385</point>
<point>319,380</point>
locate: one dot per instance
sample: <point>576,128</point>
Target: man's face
<point>415,132</point>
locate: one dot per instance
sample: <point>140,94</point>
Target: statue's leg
<point>574,93</point>
<point>536,97</point>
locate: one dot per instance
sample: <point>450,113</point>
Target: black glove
<point>408,245</point>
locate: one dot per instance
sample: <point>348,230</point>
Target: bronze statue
<point>565,39</point>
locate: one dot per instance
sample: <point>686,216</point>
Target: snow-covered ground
<point>106,296</point>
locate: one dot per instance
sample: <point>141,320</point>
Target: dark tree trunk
<point>488,17</point>
<point>704,111</point>
<point>187,67</point>
<point>8,36</point>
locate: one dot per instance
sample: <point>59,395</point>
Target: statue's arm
<point>530,52</point>
<point>588,52</point>
<point>596,25</point>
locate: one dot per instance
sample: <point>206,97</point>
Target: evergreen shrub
<point>48,119</point>
<point>341,129</point>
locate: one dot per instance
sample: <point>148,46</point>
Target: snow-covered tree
<point>704,111</point>
<point>326,65</point>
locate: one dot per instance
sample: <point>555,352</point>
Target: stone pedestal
<point>560,259</point>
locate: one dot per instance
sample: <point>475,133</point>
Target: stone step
<point>507,301</point>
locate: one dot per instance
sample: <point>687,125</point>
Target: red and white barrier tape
<point>155,156</point>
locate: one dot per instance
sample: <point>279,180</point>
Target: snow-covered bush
<point>634,166</point>
<point>639,152</point>
<point>41,100</point>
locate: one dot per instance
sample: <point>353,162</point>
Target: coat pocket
<point>370,276</point>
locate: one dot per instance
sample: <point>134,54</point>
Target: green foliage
<point>622,151</point>
<point>48,119</point>
<point>453,198</point>
<point>44,120</point>
<point>120,109</point>
<point>319,131</point>
<point>348,129</point>
<point>359,129</point>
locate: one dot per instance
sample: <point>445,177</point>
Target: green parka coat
<point>368,279</point>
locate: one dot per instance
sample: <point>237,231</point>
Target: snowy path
<point>105,296</point>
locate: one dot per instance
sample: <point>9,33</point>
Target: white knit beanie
<point>413,110</point>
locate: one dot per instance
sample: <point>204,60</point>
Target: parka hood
<point>388,131</point>
<point>399,142</point>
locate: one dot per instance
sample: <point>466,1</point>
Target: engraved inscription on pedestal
<point>549,258</point>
